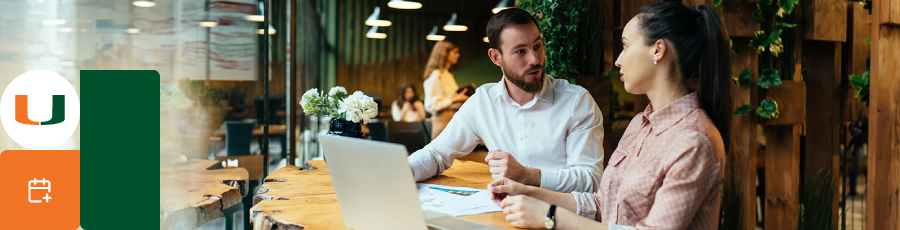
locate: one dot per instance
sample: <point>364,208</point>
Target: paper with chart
<point>455,201</point>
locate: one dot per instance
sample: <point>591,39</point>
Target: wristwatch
<point>550,220</point>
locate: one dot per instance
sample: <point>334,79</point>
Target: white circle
<point>39,86</point>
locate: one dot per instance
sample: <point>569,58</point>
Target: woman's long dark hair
<point>401,96</point>
<point>701,46</point>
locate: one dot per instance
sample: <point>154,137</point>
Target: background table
<point>190,194</point>
<point>304,198</point>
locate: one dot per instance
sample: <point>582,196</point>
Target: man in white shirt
<point>540,131</point>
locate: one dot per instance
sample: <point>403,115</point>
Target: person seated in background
<point>407,107</point>
<point>540,130</point>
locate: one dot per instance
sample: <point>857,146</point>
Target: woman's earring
<point>654,61</point>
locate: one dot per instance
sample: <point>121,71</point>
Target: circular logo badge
<point>39,110</point>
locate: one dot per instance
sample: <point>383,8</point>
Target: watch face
<point>548,223</point>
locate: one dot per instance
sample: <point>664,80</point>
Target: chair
<point>238,138</point>
<point>275,103</point>
<point>413,135</point>
<point>378,131</point>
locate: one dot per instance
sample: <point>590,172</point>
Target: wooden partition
<point>882,211</point>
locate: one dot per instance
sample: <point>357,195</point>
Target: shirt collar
<point>672,113</point>
<point>546,94</point>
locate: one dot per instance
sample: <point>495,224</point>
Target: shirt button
<point>521,139</point>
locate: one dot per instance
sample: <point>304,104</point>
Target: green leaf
<point>769,78</point>
<point>773,41</point>
<point>761,41</point>
<point>731,46</point>
<point>774,36</point>
<point>757,42</point>
<point>776,47</point>
<point>744,78</point>
<point>768,109</point>
<point>757,14</point>
<point>742,111</point>
<point>861,83</point>
<point>716,3</point>
<point>869,41</point>
<point>787,25</point>
<point>786,6</point>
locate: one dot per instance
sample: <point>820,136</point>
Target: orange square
<point>41,189</point>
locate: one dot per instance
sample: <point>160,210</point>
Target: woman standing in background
<point>441,98</point>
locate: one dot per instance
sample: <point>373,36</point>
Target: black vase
<point>342,127</point>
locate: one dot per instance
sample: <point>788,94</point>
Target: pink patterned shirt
<point>665,174</point>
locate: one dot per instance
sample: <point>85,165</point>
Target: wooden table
<point>190,194</point>
<point>298,198</point>
<point>274,131</point>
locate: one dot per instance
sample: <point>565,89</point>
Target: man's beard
<point>518,79</point>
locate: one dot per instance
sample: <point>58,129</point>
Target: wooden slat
<point>824,20</point>
<point>791,99</point>
<point>742,158</point>
<point>738,18</point>
<point>882,211</point>
<point>889,11</point>
<point>629,8</point>
<point>782,176</point>
<point>823,122</point>
<point>608,37</point>
<point>859,26</point>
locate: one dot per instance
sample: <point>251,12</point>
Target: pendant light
<point>406,5</point>
<point>376,32</point>
<point>452,25</point>
<point>435,35</point>
<point>502,5</point>
<point>378,19</point>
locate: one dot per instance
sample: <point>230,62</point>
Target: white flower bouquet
<point>356,107</point>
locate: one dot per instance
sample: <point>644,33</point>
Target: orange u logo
<point>59,110</point>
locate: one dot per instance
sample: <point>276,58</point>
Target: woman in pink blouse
<point>667,170</point>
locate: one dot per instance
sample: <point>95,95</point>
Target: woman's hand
<point>407,106</point>
<point>525,211</point>
<point>461,97</point>
<point>503,187</point>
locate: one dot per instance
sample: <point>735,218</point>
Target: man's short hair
<point>503,18</point>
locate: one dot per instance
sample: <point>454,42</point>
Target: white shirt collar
<point>546,94</point>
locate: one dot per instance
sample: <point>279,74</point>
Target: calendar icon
<point>39,185</point>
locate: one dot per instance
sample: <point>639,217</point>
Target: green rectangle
<point>119,149</point>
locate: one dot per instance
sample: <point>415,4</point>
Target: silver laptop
<point>376,189</point>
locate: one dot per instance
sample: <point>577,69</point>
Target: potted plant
<point>346,112</point>
<point>189,114</point>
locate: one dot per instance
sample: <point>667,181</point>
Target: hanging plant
<point>768,108</point>
<point>769,78</point>
<point>744,78</point>
<point>861,83</point>
<point>766,42</point>
<point>742,110</point>
<point>558,22</point>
